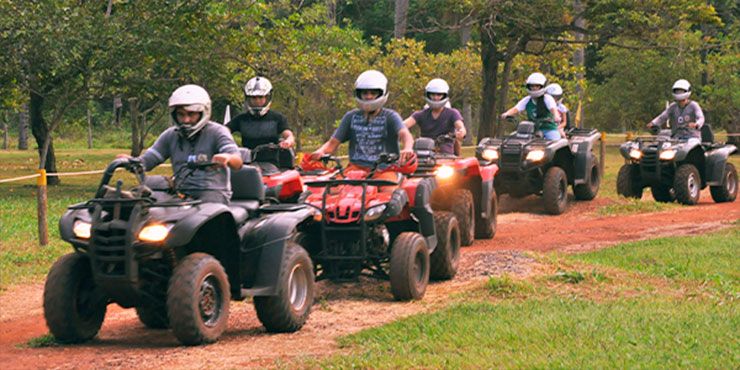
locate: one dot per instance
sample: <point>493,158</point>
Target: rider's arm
<point>288,137</point>
<point>519,107</point>
<point>409,122</point>
<point>699,115</point>
<point>160,151</point>
<point>660,119</point>
<point>328,148</point>
<point>460,131</point>
<point>227,151</point>
<point>552,105</point>
<point>407,140</point>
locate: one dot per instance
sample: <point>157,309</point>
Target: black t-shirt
<point>258,130</point>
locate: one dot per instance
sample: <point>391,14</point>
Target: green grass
<point>625,206</point>
<point>577,317</point>
<point>707,258</point>
<point>553,333</point>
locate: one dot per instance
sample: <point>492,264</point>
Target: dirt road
<point>124,343</point>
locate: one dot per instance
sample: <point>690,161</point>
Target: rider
<point>685,116</point>
<point>371,130</point>
<point>259,124</point>
<point>438,119</point>
<point>556,91</point>
<point>195,139</point>
<point>540,107</point>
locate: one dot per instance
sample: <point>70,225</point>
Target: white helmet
<point>555,90</point>
<point>258,86</point>
<point>681,85</point>
<point>437,86</point>
<point>194,99</point>
<point>536,79</point>
<point>371,80</point>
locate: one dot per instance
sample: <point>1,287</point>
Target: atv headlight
<point>489,154</point>
<point>81,229</point>
<point>668,155</point>
<point>536,155</point>
<point>155,232</point>
<point>444,172</point>
<point>374,213</point>
<point>635,154</point>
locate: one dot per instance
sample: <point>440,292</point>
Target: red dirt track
<point>124,343</point>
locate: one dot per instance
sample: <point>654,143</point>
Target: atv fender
<point>582,149</point>
<point>685,150</point>
<point>422,209</point>
<point>269,235</point>
<point>184,230</point>
<point>715,164</point>
<point>486,192</point>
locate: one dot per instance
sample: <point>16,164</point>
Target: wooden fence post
<point>41,202</point>
<point>602,152</point>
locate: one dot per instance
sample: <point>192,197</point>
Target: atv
<point>178,261</point>
<point>360,229</point>
<point>464,186</point>
<point>677,169</point>
<point>530,164</point>
<point>283,182</point>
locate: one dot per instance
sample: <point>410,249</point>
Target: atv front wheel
<point>289,309</point>
<point>485,228</point>
<point>555,191</point>
<point>461,204</point>
<point>727,192</point>
<point>662,193</point>
<point>446,256</point>
<point>627,183</point>
<point>198,299</point>
<point>74,308</point>
<point>687,184</point>
<point>589,190</point>
<point>409,270</point>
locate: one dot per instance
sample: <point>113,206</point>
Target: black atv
<point>530,164</point>
<point>178,261</point>
<point>677,169</point>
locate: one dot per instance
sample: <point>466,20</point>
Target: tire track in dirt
<point>341,309</point>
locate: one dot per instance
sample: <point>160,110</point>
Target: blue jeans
<point>551,134</point>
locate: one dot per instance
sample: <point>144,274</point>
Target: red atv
<point>464,186</point>
<point>360,229</point>
<point>283,183</point>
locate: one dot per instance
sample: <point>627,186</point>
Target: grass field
<point>624,307</point>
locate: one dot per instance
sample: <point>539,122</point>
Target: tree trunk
<point>40,131</point>
<point>5,133</point>
<point>400,18</point>
<point>503,94</point>
<point>490,59</point>
<point>467,110</point>
<point>331,12</point>
<point>136,128</point>
<point>579,60</point>
<point>23,128</point>
<point>89,126</point>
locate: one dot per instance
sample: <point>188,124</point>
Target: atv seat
<point>524,129</point>
<point>248,189</point>
<point>707,136</point>
<point>424,149</point>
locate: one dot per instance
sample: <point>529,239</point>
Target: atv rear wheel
<point>627,184</point>
<point>445,258</point>
<point>555,190</point>
<point>289,309</point>
<point>589,190</point>
<point>485,228</point>
<point>461,204</point>
<point>687,184</point>
<point>198,299</point>
<point>662,193</point>
<point>409,270</point>
<point>74,308</point>
<point>727,192</point>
